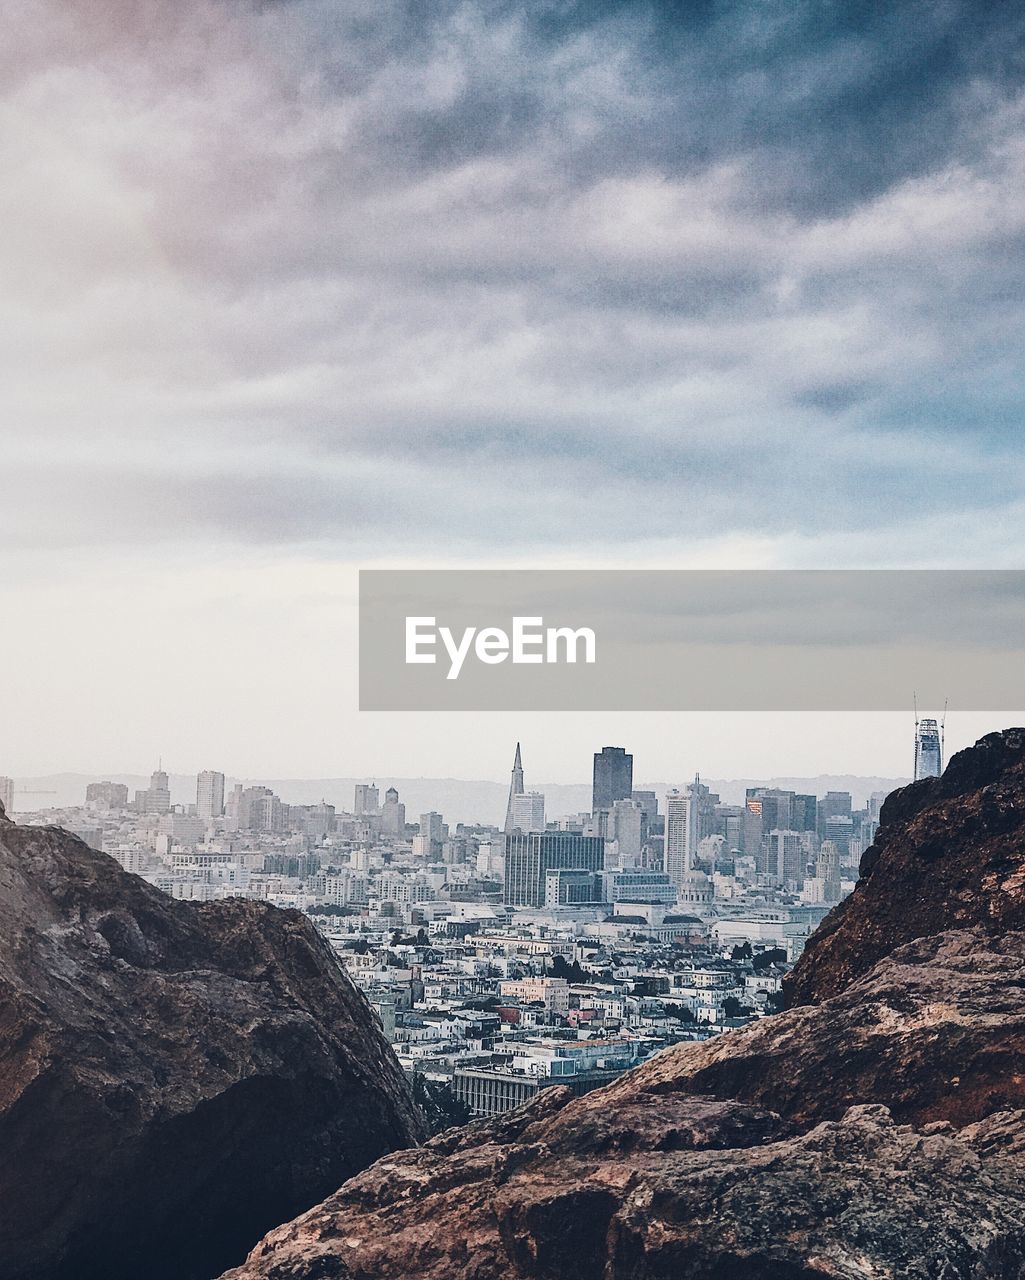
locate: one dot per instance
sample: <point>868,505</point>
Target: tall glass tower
<point>928,749</point>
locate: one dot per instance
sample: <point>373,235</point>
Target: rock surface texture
<point>950,852</point>
<point>876,1132</point>
<point>174,1078</point>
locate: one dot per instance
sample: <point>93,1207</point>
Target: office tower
<point>702,820</point>
<point>803,813</point>
<point>613,777</point>
<point>157,799</point>
<point>928,750</point>
<point>233,806</point>
<point>649,805</point>
<point>366,800</point>
<point>828,871</point>
<point>528,811</point>
<point>729,822</point>
<point>690,817</point>
<point>786,857</point>
<point>7,794</point>
<point>834,804</point>
<point>515,789</point>
<point>256,809</point>
<point>624,832</point>
<point>531,855</point>
<point>431,836</point>
<point>393,814</point>
<point>107,795</point>
<point>210,795</point>
<point>677,838</point>
<point>573,887</point>
<point>318,820</point>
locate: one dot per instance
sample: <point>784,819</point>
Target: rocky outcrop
<point>950,853</point>
<point>877,1131</point>
<point>880,1133</point>
<point>175,1079</point>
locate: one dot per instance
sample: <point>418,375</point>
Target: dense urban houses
<point>501,959</point>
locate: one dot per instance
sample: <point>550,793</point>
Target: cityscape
<point>549,949</point>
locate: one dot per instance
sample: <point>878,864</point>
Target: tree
<point>775,955</point>
<point>743,952</point>
<point>775,1001</point>
<point>441,1108</point>
<point>731,1007</point>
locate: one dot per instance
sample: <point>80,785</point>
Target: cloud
<point>466,279</point>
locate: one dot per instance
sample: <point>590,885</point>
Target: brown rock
<point>770,1153</point>
<point>950,853</point>
<point>174,1079</point>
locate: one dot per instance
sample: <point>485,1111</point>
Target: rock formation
<point>950,853</point>
<point>175,1079</point>
<point>878,1132</point>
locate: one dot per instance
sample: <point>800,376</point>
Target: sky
<point>288,289</point>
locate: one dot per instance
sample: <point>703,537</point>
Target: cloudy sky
<point>290,288</point>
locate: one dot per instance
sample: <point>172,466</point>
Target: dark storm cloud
<point>504,276</point>
<point>830,102</point>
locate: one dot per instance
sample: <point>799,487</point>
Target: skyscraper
<point>7,794</point>
<point>431,835</point>
<point>365,801</point>
<point>528,811</point>
<point>531,855</point>
<point>393,814</point>
<point>677,838</point>
<point>210,794</point>
<point>157,799</point>
<point>107,795</point>
<point>515,789</point>
<point>613,777</point>
<point>928,749</point>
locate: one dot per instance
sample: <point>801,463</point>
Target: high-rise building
<point>928,749</point>
<point>834,804</point>
<point>157,799</point>
<point>366,800</point>
<point>528,811</point>
<point>210,795</point>
<point>786,857</point>
<point>678,805</point>
<point>828,871</point>
<point>531,855</point>
<point>431,836</point>
<point>107,795</point>
<point>256,809</point>
<point>690,817</point>
<point>702,815</point>
<point>7,794</point>
<point>318,820</point>
<point>624,831</point>
<point>613,777</point>
<point>515,789</point>
<point>393,814</point>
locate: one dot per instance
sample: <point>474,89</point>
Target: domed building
<point>696,893</point>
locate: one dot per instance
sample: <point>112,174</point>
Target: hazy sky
<point>289,288</point>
